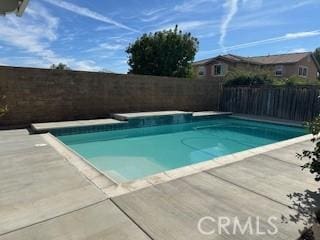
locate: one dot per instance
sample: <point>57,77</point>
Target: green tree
<point>163,53</point>
<point>60,66</point>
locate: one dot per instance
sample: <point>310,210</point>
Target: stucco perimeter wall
<point>43,95</point>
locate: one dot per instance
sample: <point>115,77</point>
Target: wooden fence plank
<point>299,103</point>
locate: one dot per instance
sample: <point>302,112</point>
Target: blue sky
<point>92,35</point>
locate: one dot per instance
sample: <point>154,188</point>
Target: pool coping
<point>46,127</point>
<point>113,188</point>
<point>269,120</point>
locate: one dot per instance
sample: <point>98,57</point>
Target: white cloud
<point>150,19</point>
<point>34,34</point>
<point>270,10</point>
<point>192,5</point>
<point>153,14</point>
<point>298,50</point>
<point>153,11</point>
<point>285,37</point>
<point>252,4</point>
<point>104,28</point>
<point>3,62</point>
<point>232,8</point>
<point>254,11</point>
<point>86,65</point>
<point>302,34</point>
<point>107,46</point>
<point>88,13</point>
<point>185,26</point>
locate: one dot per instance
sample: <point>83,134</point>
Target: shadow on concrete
<point>307,206</point>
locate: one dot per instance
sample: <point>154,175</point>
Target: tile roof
<point>281,58</point>
<point>270,59</point>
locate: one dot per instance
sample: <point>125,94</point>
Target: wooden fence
<point>299,103</point>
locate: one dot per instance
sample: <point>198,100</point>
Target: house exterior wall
<point>288,69</point>
<point>293,69</point>
<point>229,66</point>
<point>312,69</point>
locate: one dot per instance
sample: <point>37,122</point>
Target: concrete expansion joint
<point>54,217</point>
<point>131,219</point>
<point>247,189</point>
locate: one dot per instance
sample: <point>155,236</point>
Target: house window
<point>303,71</point>
<point>201,71</point>
<point>218,70</point>
<point>278,71</point>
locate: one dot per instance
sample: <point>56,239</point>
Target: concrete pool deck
<point>44,197</point>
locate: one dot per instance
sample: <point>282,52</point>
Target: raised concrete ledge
<point>128,116</point>
<point>210,114</point>
<point>144,118</point>
<point>46,127</point>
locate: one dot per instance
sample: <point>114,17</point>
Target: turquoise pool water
<point>135,153</point>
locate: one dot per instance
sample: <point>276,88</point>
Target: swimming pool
<point>134,153</point>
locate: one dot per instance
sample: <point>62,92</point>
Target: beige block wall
<point>40,95</point>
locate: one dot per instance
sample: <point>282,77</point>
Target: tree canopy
<point>163,53</point>
<point>60,66</point>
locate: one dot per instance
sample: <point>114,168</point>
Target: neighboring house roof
<point>204,61</point>
<point>261,60</point>
<point>227,57</point>
<point>17,6</point>
<point>281,58</point>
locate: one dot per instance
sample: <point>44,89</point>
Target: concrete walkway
<point>43,197</point>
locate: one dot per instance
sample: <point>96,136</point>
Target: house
<point>283,65</point>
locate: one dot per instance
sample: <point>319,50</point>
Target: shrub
<point>296,80</point>
<point>246,78</point>
<point>313,156</point>
<point>60,66</point>
<point>260,78</point>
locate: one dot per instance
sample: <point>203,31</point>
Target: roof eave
<point>316,61</point>
<point>13,6</point>
<point>20,10</point>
